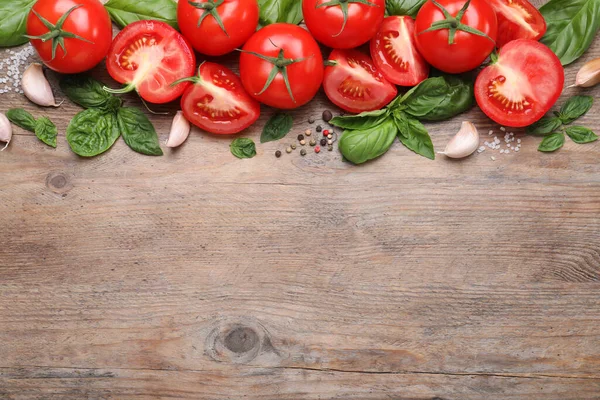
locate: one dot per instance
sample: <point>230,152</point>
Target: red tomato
<point>278,53</point>
<point>395,54</point>
<point>76,44</point>
<point>149,56</point>
<point>522,85</point>
<point>217,101</point>
<point>343,24</point>
<point>464,51</point>
<point>217,27</point>
<point>354,83</point>
<point>518,19</point>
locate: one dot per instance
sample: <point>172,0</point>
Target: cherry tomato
<point>522,85</point>
<point>443,37</point>
<point>354,83</point>
<point>343,24</point>
<point>395,54</point>
<point>74,44</point>
<point>149,56</point>
<point>281,66</point>
<point>217,27</point>
<point>518,19</point>
<point>217,101</point>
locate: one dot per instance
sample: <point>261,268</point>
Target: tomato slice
<point>518,19</point>
<point>395,53</point>
<point>522,85</point>
<point>149,56</point>
<point>217,101</point>
<point>354,84</point>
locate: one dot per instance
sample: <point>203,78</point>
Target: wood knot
<point>58,182</point>
<point>241,340</point>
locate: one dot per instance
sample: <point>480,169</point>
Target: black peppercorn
<point>300,137</point>
<point>311,120</point>
<point>323,142</point>
<point>277,154</point>
<point>327,115</point>
<point>319,128</point>
<point>302,152</point>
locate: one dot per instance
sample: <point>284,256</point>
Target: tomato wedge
<point>522,85</point>
<point>149,56</point>
<point>518,19</point>
<point>395,53</point>
<point>217,101</point>
<point>354,84</point>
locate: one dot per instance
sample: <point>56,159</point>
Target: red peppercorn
<point>318,149</point>
<point>326,132</point>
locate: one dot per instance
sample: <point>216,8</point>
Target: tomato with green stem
<point>518,19</point>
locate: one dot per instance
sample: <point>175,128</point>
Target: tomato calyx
<point>56,32</point>
<point>210,8</point>
<point>344,6</point>
<point>454,24</point>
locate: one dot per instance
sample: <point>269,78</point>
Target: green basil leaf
<point>359,146</point>
<point>272,11</point>
<point>13,17</point>
<point>85,91</point>
<point>243,148</point>
<point>403,7</point>
<point>544,126</point>
<point>574,108</point>
<point>92,132</point>
<point>581,134</point>
<point>360,121</point>
<point>46,131</point>
<point>21,118</point>
<point>572,26</point>
<point>414,136</point>
<point>138,132</point>
<point>124,12</point>
<point>552,142</point>
<point>276,128</point>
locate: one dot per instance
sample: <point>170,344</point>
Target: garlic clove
<point>180,130</point>
<point>588,75</point>
<point>36,86</point>
<point>5,130</point>
<point>464,143</point>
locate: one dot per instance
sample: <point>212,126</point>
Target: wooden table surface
<point>200,276</point>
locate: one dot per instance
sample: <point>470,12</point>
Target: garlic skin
<point>588,75</point>
<point>464,143</point>
<point>5,130</point>
<point>36,86</point>
<point>180,130</point>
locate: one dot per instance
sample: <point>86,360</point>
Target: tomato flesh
<point>217,102</point>
<point>149,56</point>
<point>354,84</point>
<point>518,19</point>
<point>522,86</point>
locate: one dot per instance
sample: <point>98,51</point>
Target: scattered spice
<point>303,142</point>
<point>11,64</point>
<point>278,154</point>
<point>323,142</point>
<point>303,152</point>
<point>326,132</point>
<point>327,116</point>
<point>319,128</point>
<point>311,120</point>
<point>330,148</point>
<point>330,136</point>
<point>312,142</point>
<point>330,141</point>
<point>308,132</point>
<point>293,146</point>
<point>300,137</point>
<point>318,149</point>
<point>288,150</point>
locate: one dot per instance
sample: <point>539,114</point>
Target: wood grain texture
<point>201,276</point>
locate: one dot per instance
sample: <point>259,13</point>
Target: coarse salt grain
<point>13,66</point>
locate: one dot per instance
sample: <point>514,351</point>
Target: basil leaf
<point>359,146</point>
<point>138,132</point>
<point>363,120</point>
<point>243,148</point>
<point>85,91</point>
<point>414,136</point>
<point>276,128</point>
<point>544,126</point>
<point>13,17</point>
<point>272,11</point>
<point>46,131</point>
<point>574,108</point>
<point>581,134</point>
<point>572,26</point>
<point>92,132</point>
<point>552,143</point>
<point>403,7</point>
<point>124,12</point>
<point>21,118</point>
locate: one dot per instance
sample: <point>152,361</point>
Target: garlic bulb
<point>464,143</point>
<point>5,130</point>
<point>36,86</point>
<point>180,130</point>
<point>588,75</point>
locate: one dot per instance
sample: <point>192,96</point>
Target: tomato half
<point>149,56</point>
<point>343,24</point>
<point>518,19</point>
<point>217,27</point>
<point>444,41</point>
<point>76,44</point>
<point>217,101</point>
<point>354,84</point>
<point>522,85</point>
<point>395,54</point>
<point>277,54</point>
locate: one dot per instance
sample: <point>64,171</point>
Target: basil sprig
<point>243,148</point>
<point>13,15</point>
<point>124,12</point>
<point>44,129</point>
<point>272,11</point>
<point>403,7</point>
<point>276,127</point>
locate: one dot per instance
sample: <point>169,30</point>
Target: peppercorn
<point>326,132</point>
<point>330,141</point>
<point>323,142</point>
<point>330,148</point>
<point>319,128</point>
<point>327,115</point>
<point>311,120</point>
<point>330,136</point>
<point>308,132</point>
<point>300,137</point>
<point>302,152</point>
<point>288,150</point>
<point>277,154</point>
<point>317,149</point>
<point>293,146</point>
<point>313,142</point>
<point>303,142</point>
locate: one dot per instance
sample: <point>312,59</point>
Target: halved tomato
<point>149,56</point>
<point>518,19</point>
<point>217,101</point>
<point>354,84</point>
<point>522,85</point>
<point>395,53</point>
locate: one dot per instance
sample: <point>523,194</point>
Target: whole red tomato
<point>281,65</point>
<point>343,24</point>
<point>456,35</point>
<point>217,27</point>
<point>71,36</point>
